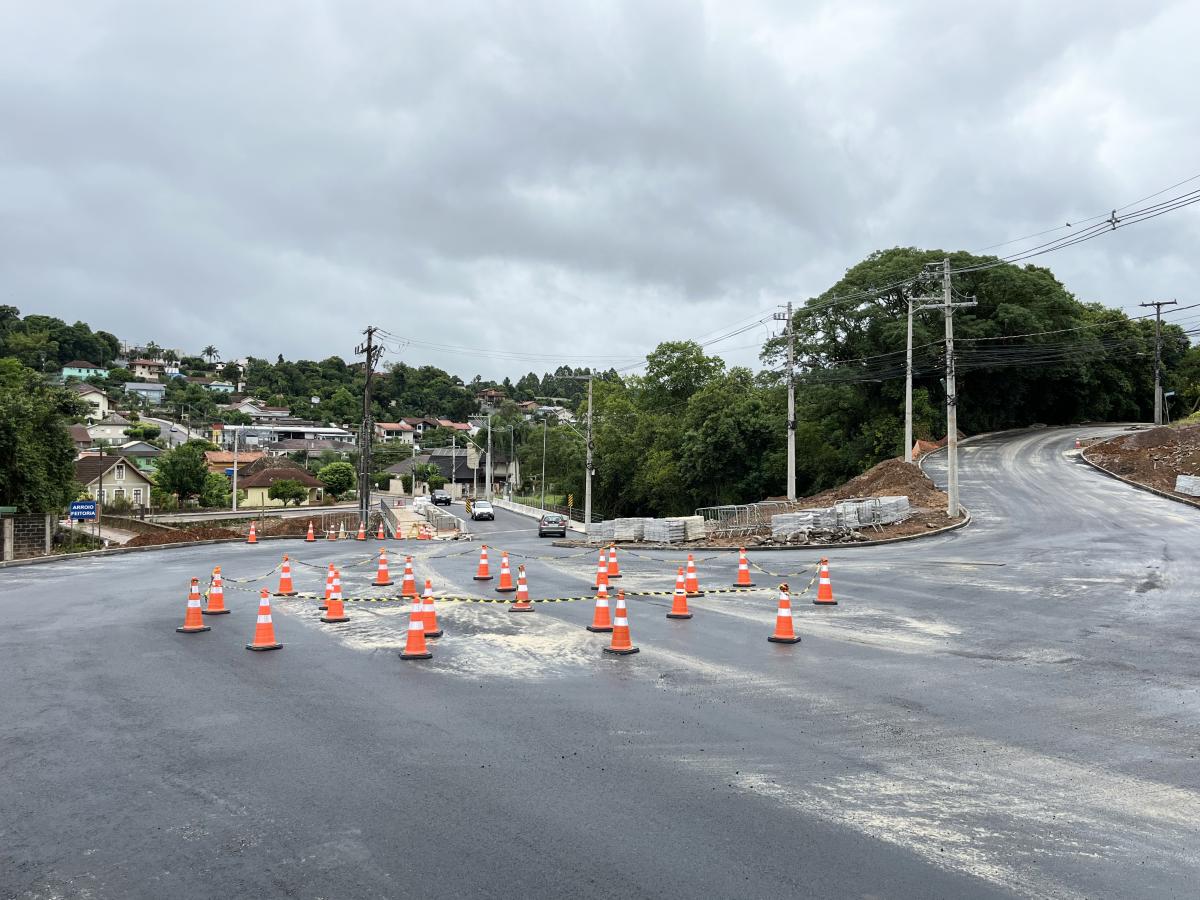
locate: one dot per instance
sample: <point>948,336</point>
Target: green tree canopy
<point>338,477</point>
<point>182,471</point>
<point>37,473</point>
<point>289,491</point>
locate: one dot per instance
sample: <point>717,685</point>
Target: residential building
<point>257,478</point>
<point>220,387</point>
<point>146,368</point>
<point>257,409</point>
<point>81,369</point>
<point>465,470</point>
<point>528,409</point>
<point>101,405</point>
<point>80,437</point>
<point>110,429</point>
<point>489,400</point>
<point>387,432</point>
<point>221,461</point>
<point>259,435</point>
<point>150,391</point>
<point>312,449</point>
<point>142,454</point>
<point>107,478</point>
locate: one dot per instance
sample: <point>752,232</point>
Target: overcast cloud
<point>580,179</point>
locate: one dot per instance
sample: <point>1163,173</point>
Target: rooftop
<point>81,364</point>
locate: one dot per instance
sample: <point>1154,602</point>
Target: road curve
<point>1006,710</point>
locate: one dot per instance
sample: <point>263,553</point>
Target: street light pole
<point>488,471</point>
<point>791,403</point>
<point>587,492</point>
<point>545,426</point>
<point>908,384</point>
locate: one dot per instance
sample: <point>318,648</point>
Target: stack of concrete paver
<point>603,531</point>
<point>1188,484</point>
<point>893,509</point>
<point>629,529</point>
<point>844,514</point>
<point>786,524</point>
<point>665,531</point>
<point>694,526</point>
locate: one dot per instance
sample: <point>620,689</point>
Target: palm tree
<point>153,351</point>
<point>170,356</point>
<point>210,353</point>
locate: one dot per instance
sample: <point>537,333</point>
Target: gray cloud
<point>582,180</point>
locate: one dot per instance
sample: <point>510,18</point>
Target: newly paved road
<point>1012,709</point>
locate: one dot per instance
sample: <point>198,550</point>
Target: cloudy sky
<point>565,181</point>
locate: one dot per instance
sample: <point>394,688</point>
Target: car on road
<point>552,525</point>
<point>483,510</point>
<point>440,497</point>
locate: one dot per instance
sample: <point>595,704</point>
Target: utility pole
<point>908,379</point>
<point>235,466</point>
<point>947,307</point>
<point>1158,398</point>
<point>791,403</point>
<point>587,492</point>
<point>545,426</point>
<point>487,488</point>
<point>372,354</point>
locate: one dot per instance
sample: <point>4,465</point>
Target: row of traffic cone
<point>193,621</point>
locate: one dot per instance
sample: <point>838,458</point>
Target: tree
<point>153,351</point>
<point>338,477</point>
<point>216,492</point>
<point>288,490</point>
<point>182,471</point>
<point>37,472</point>
<point>210,353</point>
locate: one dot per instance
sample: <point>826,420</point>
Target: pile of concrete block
<point>1188,484</point>
<point>629,529</point>
<point>843,514</point>
<point>665,531</point>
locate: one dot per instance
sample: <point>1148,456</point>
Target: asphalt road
<point>1011,709</point>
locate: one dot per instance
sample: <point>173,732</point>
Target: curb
<point>1141,487</point>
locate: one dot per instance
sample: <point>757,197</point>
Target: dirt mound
<point>180,537</point>
<point>1153,457</point>
<point>892,477</point>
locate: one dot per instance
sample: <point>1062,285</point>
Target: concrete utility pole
<point>487,488</point>
<point>908,380</point>
<point>947,306</point>
<point>364,451</point>
<point>1158,396</point>
<point>791,403</point>
<point>235,466</point>
<point>587,490</point>
<point>545,427</point>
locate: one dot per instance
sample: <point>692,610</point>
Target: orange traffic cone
<point>1078,446</point>
<point>331,534</point>
<point>601,572</point>
<point>614,568</point>
<point>679,609</point>
<point>381,535</point>
<point>431,624</point>
<point>310,537</point>
<point>743,575</point>
<point>285,579</point>
<point>362,531</point>
<point>336,611</point>
<point>192,618</point>
<point>264,628</point>
<point>329,575</point>
<point>522,604</point>
<point>691,584</point>
<point>601,622</point>
<point>621,644</point>
<point>408,584</point>
<point>784,632</point>
<point>506,585</point>
<point>216,595</point>
<point>484,574</point>
<point>252,537</point>
<point>382,577</point>
<point>414,646</point>
<point>824,587</point>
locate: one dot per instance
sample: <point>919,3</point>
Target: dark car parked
<point>552,525</point>
<point>440,497</point>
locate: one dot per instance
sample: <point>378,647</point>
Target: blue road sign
<point>83,509</point>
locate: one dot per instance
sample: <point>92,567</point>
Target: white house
<point>150,391</point>
<point>101,405</point>
<point>387,432</point>
<point>110,429</point>
<point>147,368</point>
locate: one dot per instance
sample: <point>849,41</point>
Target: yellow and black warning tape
<point>759,568</point>
<point>387,598</point>
<point>672,562</point>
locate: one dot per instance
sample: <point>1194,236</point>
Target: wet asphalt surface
<point>1011,709</point>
